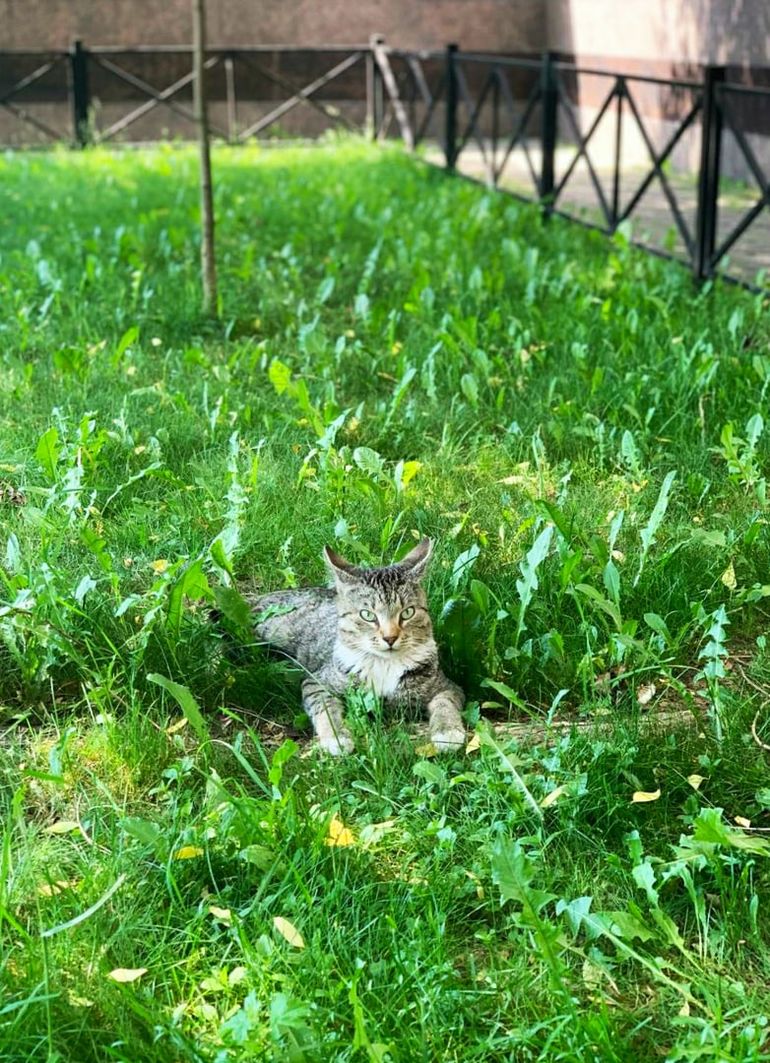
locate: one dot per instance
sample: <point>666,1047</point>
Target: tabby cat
<point>371,629</point>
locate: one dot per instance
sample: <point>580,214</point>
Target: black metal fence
<point>490,106</point>
<point>97,95</point>
<point>471,113</point>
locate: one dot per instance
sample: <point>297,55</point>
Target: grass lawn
<point>182,876</point>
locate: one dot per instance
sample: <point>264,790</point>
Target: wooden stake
<point>208,261</point>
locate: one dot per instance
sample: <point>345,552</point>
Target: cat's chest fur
<point>383,675</point>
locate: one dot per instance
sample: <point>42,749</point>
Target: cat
<point>370,629</point>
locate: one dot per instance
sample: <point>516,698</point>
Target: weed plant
<point>396,354</point>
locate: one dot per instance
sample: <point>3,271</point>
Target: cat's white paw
<point>336,744</point>
<point>448,741</point>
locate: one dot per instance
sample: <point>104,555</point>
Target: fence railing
<point>95,95</point>
<point>473,113</point>
<point>490,106</point>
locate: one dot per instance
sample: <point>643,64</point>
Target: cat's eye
<point>368,616</point>
<point>408,613</point>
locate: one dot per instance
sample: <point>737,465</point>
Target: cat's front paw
<point>337,745</point>
<point>453,738</point>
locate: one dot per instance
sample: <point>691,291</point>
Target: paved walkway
<point>653,221</point>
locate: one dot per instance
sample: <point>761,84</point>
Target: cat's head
<point>383,611</point>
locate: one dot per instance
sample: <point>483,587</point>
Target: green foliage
<point>399,355</point>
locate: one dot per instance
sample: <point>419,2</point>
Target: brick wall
<point>497,25</point>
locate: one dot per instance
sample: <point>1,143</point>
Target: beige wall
<point>734,32</point>
<point>494,25</point>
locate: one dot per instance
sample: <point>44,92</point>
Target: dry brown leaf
<point>646,693</point>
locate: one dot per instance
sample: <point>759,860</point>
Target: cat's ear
<point>344,573</point>
<point>416,561</point>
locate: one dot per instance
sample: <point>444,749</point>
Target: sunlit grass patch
<point>396,354</point>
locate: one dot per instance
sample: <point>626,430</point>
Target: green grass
<point>396,354</point>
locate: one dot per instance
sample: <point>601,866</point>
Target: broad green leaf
<point>86,584</point>
<point>279,376</point>
<point>603,603</point>
<point>325,289</point>
<point>430,771</point>
<point>626,926</point>
<point>144,830</point>
<point>612,581</point>
<point>658,625</point>
<point>47,451</point>
<point>470,388</point>
<point>186,702</point>
<point>191,584</point>
<point>528,584</point>
<point>463,564</point>
<point>650,530</point>
<point>13,554</point>
<point>369,461</point>
<point>513,872</point>
<point>709,827</point>
<point>129,336</point>
<point>234,606</point>
<point>505,691</point>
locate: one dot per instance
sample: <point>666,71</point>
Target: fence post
<point>550,104</point>
<point>374,94</point>
<point>708,176</point>
<point>450,133</point>
<point>80,96</point>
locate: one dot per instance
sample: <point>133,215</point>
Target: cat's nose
<point>390,639</point>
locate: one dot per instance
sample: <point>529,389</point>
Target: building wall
<point>663,32</point>
<point>668,32</point>
<point>492,25</point>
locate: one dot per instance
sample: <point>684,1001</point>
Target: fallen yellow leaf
<point>224,915</point>
<point>289,932</point>
<point>127,974</point>
<point>695,781</point>
<point>640,797</point>
<point>160,565</point>
<point>178,726</point>
<point>62,826</point>
<point>50,889</point>
<point>728,577</point>
<point>188,852</point>
<point>473,744</point>
<point>742,821</point>
<point>552,797</point>
<point>338,833</point>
